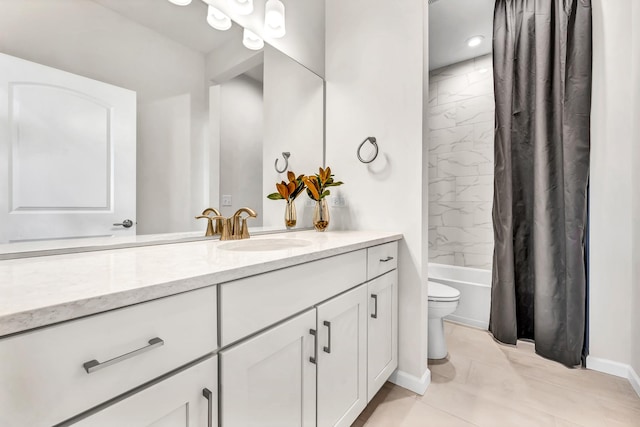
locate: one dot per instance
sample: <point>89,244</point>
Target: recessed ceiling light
<point>180,2</point>
<point>474,41</point>
<point>482,70</point>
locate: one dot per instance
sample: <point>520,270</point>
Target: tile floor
<point>482,383</point>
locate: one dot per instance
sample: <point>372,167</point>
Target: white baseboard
<point>615,368</point>
<point>478,324</point>
<point>634,379</point>
<point>410,382</point>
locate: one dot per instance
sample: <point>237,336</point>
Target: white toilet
<point>443,300</point>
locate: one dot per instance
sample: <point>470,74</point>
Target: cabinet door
<point>270,379</point>
<point>178,401</point>
<point>342,358</point>
<point>382,331</point>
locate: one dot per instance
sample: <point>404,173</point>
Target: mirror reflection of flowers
<point>317,186</point>
<point>288,191</point>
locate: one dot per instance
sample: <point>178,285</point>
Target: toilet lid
<point>440,292</point>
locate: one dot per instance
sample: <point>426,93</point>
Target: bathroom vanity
<point>295,329</point>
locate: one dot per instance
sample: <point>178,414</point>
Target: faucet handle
<point>217,229</point>
<point>250,212</point>
<point>242,231</point>
<point>210,231</point>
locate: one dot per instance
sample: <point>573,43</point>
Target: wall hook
<point>286,156</point>
<point>372,140</point>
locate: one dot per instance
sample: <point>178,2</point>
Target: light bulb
<point>180,2</point>
<point>250,40</point>
<point>217,19</point>
<point>474,41</point>
<point>242,7</point>
<point>274,23</point>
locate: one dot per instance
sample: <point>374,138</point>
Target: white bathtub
<point>475,292</point>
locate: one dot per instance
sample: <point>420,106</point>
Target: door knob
<point>127,223</point>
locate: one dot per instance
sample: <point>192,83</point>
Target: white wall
<point>612,183</point>
<point>374,74</point>
<point>162,203</point>
<point>293,111</point>
<point>635,298</point>
<point>241,131</point>
<point>82,37</point>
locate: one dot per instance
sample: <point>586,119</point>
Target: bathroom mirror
<point>203,118</point>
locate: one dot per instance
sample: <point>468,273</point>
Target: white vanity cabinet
<point>53,374</point>
<point>318,368</point>
<point>342,358</point>
<point>273,378</point>
<point>186,399</point>
<point>304,340</point>
<point>382,351</point>
<point>382,329</point>
<point>270,379</point>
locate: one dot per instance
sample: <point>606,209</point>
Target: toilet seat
<point>440,292</point>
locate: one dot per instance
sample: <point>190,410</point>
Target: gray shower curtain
<point>542,79</point>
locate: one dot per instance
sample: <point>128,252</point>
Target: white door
<point>187,399</point>
<point>270,380</point>
<point>342,358</point>
<point>382,330</point>
<point>67,154</point>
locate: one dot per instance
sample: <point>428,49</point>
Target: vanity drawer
<point>43,379</point>
<point>252,304</point>
<point>381,258</point>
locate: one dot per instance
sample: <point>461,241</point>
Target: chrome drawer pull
<point>389,258</point>
<point>314,358</point>
<point>327,348</point>
<point>94,365</point>
<point>209,396</point>
<point>374,315</point>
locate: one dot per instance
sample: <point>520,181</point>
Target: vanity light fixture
<point>274,26</point>
<point>242,7</point>
<point>250,40</point>
<point>474,41</point>
<point>180,2</point>
<point>217,19</point>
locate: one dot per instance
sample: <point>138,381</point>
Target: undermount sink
<point>264,245</point>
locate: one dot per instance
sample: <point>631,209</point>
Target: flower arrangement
<point>289,191</point>
<point>317,189</point>
<point>317,185</point>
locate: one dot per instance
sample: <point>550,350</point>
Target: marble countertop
<point>41,291</point>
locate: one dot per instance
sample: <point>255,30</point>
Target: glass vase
<point>321,215</point>
<point>290,214</point>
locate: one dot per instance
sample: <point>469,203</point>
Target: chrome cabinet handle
<point>389,258</point>
<point>374,315</point>
<point>313,358</point>
<point>94,365</point>
<point>327,349</point>
<point>127,223</point>
<point>207,393</point>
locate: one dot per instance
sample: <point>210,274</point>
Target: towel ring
<point>372,140</point>
<point>286,156</point>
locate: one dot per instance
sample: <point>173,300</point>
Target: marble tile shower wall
<point>461,120</point>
